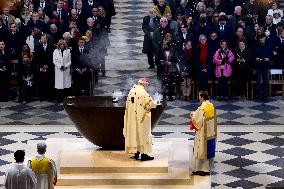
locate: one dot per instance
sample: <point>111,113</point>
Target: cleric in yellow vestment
<point>44,169</point>
<point>137,121</point>
<point>204,122</point>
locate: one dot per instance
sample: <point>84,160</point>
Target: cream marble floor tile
<point>223,179</point>
<point>264,179</point>
<point>262,168</point>
<point>260,157</point>
<point>256,136</point>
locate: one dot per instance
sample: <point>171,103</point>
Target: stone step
<point>113,170</point>
<point>92,161</point>
<point>130,187</point>
<point>182,178</point>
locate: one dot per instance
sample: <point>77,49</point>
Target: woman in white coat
<point>62,62</point>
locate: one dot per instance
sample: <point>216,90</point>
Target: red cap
<point>143,80</point>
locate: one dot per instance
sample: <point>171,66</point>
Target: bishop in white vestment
<point>137,121</point>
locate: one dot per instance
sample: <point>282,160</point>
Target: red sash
<point>191,125</point>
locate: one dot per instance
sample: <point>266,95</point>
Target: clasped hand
<point>265,59</point>
<point>62,68</point>
<point>3,69</point>
<point>81,71</point>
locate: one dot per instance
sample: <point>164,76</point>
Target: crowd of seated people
<point>45,46</point>
<point>214,41</point>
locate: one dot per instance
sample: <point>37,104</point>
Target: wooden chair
<point>195,88</point>
<point>276,77</point>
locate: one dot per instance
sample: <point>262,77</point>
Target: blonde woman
<point>62,62</point>
<point>200,7</point>
<point>42,16</point>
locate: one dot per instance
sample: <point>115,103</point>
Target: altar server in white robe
<point>137,121</point>
<point>19,176</point>
<point>44,168</point>
<point>204,122</point>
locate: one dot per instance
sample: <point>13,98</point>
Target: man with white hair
<point>137,121</point>
<point>68,38</point>
<point>277,16</point>
<point>157,42</point>
<point>21,28</point>
<point>44,168</point>
<point>90,24</point>
<point>234,19</point>
<point>54,34</point>
<point>269,27</point>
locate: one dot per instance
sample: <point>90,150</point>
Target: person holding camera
<point>263,52</point>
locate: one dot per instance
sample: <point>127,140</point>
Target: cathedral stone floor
<point>250,144</point>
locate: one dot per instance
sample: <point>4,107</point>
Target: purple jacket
<point>227,71</point>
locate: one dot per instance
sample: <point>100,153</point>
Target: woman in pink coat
<point>223,58</point>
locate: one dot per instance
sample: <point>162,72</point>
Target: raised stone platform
<point>82,165</point>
